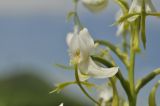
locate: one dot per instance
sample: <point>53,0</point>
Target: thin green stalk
<point>125,44</point>
<point>131,78</point>
<point>76,17</point>
<point>81,87</point>
<point>132,99</point>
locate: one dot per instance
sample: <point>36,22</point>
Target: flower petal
<point>83,66</point>
<point>69,38</point>
<point>85,40</point>
<point>95,5</point>
<point>100,72</point>
<point>135,7</point>
<point>74,44</point>
<point>105,92</point>
<point>120,29</point>
<point>149,6</point>
<point>83,77</point>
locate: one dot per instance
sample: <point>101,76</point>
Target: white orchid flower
<point>81,45</point>
<point>105,94</point>
<point>95,5</point>
<point>136,7</point>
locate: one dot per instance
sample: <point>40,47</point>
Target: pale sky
<point>31,6</point>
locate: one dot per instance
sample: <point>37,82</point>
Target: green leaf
<point>123,4</point>
<point>153,14</point>
<point>121,55</point>
<point>75,1</point>
<point>125,17</point>
<point>136,39</point>
<point>61,86</point>
<point>143,24</point>
<point>70,15</point>
<point>145,80</point>
<point>152,96</point>
<point>64,67</point>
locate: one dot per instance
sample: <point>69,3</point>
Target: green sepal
<point>136,40</point>
<point>61,86</point>
<point>70,15</point>
<point>143,24</point>
<point>75,1</point>
<point>64,67</point>
<point>123,4</point>
<point>152,96</point>
<point>121,55</point>
<point>153,14</point>
<point>125,17</point>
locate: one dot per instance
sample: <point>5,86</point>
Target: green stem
<point>125,44</point>
<point>76,17</point>
<point>131,78</point>
<point>152,95</point>
<point>132,99</point>
<point>81,87</point>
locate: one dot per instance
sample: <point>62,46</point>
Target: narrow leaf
<point>143,24</point>
<point>61,86</point>
<point>152,96</point>
<point>70,15</point>
<point>125,17</point>
<point>64,67</point>
<point>123,4</point>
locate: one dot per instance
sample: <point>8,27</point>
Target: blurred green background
<point>31,90</point>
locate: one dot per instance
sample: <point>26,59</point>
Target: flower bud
<point>95,5</point>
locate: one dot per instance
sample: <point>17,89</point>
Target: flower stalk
<point>81,87</point>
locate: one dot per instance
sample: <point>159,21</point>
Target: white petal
<point>82,42</point>
<point>95,5</point>
<point>83,77</point>
<point>120,29</point>
<point>83,66</point>
<point>69,38</point>
<point>105,92</point>
<point>74,44</point>
<point>85,40</point>
<point>100,72</point>
<point>135,7</point>
<point>149,6</point>
<point>73,40</point>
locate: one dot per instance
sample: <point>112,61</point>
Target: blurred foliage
<point>28,90</point>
